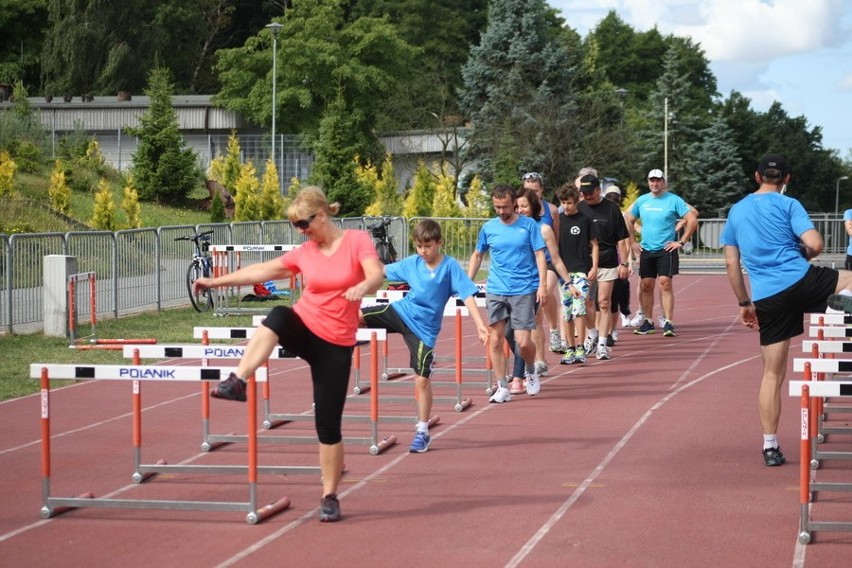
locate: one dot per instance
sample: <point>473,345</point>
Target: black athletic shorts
<point>658,263</point>
<point>781,316</point>
<point>385,317</point>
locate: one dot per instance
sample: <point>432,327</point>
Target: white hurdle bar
<point>52,506</point>
<point>204,352</point>
<point>222,265</point>
<point>831,319</point>
<point>373,336</point>
<point>824,347</point>
<point>829,332</point>
<point>809,392</point>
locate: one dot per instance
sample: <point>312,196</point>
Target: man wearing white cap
<point>658,249</point>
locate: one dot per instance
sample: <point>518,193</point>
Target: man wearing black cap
<point>772,235</point>
<point>611,231</point>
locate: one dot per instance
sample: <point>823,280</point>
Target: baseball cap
<point>588,183</point>
<point>775,165</point>
<point>612,189</point>
<point>656,173</point>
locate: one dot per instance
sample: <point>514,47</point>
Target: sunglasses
<point>535,176</point>
<point>304,223</point>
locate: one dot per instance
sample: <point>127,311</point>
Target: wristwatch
<point>744,303</point>
<point>625,264</point>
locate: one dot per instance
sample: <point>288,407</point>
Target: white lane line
<point>543,531</point>
<point>312,515</point>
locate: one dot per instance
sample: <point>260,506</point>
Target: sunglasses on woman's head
<point>304,223</point>
<point>535,176</point>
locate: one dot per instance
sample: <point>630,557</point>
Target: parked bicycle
<point>200,266</point>
<point>383,240</point>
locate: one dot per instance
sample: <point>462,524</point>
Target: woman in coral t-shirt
<point>340,267</point>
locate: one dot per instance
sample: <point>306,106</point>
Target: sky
<point>796,52</point>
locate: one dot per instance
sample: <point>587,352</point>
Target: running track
<point>650,459</point>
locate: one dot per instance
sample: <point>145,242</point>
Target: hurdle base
<point>463,404</point>
<point>270,424</point>
<point>48,512</point>
<point>381,446</point>
<point>267,511</point>
<point>216,441</point>
<point>141,477</point>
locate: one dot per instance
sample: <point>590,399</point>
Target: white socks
<point>770,441</point>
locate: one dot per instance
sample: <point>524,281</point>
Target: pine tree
<point>130,205</point>
<point>217,209</point>
<point>8,167</point>
<point>164,169</point>
<point>58,192</point>
<point>444,202</point>
<point>517,91</point>
<point>246,198</point>
<point>478,200</point>
<point>711,179</point>
<point>418,202</point>
<point>103,215</point>
<point>386,200</point>
<point>270,202</point>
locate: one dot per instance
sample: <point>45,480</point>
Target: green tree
<point>336,147</point>
<point>130,206</point>
<point>217,209</point>
<point>164,169</point>
<point>22,22</point>
<point>103,214</point>
<point>58,191</point>
<point>517,89</point>
<point>386,198</point>
<point>246,207</point>
<point>418,202</point>
<point>711,179</point>
<point>270,203</point>
<point>324,55</point>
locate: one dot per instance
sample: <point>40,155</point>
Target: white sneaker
<point>625,321</point>
<point>501,395</point>
<point>615,335</point>
<point>637,319</point>
<point>541,367</point>
<point>533,384</point>
<point>555,341</point>
<point>603,352</point>
<point>590,342</point>
<point>661,321</point>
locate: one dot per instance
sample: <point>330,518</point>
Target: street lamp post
<point>274,27</point>
<point>837,194</point>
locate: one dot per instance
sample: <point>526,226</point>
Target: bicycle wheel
<point>204,301</point>
<point>391,252</point>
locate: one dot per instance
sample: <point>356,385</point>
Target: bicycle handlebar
<point>205,236</point>
<point>380,224</point>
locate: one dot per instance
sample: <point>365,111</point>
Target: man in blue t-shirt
<point>659,210</point>
<point>516,284</point>
<point>772,235</point>
<point>433,278</point>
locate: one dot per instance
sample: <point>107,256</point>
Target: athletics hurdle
<point>807,390</point>
<point>373,336</point>
<point>93,341</point>
<point>224,262</point>
<point>204,352</point>
<point>53,506</point>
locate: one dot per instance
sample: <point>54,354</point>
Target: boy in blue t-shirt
<point>433,279</point>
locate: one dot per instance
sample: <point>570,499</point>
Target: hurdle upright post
<point>804,468</point>
<point>461,403</point>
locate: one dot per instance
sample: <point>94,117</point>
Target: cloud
<point>845,83</point>
<point>743,31</point>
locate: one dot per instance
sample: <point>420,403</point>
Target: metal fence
<point>145,269</point>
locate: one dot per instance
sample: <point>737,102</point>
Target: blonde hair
<point>309,201</point>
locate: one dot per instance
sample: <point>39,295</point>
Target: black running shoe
<point>773,456</point>
<point>644,329</point>
<point>610,341</point>
<point>232,388</point>
<point>329,509</point>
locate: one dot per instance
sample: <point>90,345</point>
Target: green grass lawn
<point>171,326</point>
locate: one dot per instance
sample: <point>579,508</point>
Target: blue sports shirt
<point>766,227</point>
<point>513,269</point>
<point>659,216</point>
<point>422,309</point>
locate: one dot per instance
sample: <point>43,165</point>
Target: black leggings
<point>330,367</point>
<point>620,301</point>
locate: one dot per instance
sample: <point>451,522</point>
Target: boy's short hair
<point>426,230</point>
<point>568,191</point>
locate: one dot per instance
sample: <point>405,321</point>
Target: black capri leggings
<point>330,367</point>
